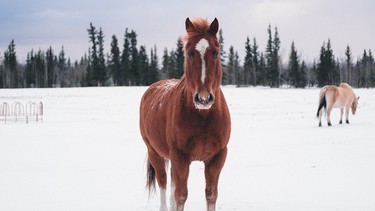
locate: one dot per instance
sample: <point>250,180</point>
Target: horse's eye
<point>191,54</point>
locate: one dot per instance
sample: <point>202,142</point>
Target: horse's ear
<point>214,27</point>
<point>358,98</point>
<point>189,25</point>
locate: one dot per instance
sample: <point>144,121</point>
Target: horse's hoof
<point>320,124</point>
<point>340,122</point>
<point>347,121</point>
<point>329,124</point>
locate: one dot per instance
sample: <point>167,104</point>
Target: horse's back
<point>338,96</point>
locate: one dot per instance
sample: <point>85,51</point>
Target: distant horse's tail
<point>322,102</point>
<point>150,185</point>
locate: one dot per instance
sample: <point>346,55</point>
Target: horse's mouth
<point>201,106</point>
<point>203,103</point>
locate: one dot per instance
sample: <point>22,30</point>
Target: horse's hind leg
<point>347,115</point>
<point>341,114</point>
<point>158,163</point>
<point>320,117</point>
<point>212,173</point>
<point>329,115</point>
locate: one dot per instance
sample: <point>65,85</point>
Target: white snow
<point>88,154</point>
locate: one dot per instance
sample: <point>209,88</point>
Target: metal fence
<point>19,112</point>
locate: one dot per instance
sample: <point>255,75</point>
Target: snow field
<point>88,153</point>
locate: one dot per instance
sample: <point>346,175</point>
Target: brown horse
<point>331,96</point>
<point>188,119</point>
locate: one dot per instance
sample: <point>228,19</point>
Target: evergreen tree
<point>276,49</point>
<point>333,70</point>
<point>51,78</point>
<point>12,74</point>
<point>366,77</point>
<point>114,62</point>
<point>172,64</point>
<point>230,67</point>
<point>322,71</point>
<point>248,63</point>
<point>165,64</point>
<point>275,59</point>
<point>272,58</point>
<point>238,75</point>
<point>371,71</point>
<point>268,55</point>
<point>30,70</point>
<point>62,66</point>
<point>302,82</point>
<point>40,70</point>
<point>153,74</point>
<point>233,67</point>
<point>348,59</point>
<point>94,68</point>
<point>176,61</point>
<point>225,77</point>
<point>101,70</point>
<point>262,79</point>
<point>80,71</point>
<point>339,77</point>
<point>125,61</point>
<point>180,58</point>
<point>312,75</point>
<point>255,62</point>
<point>293,67</point>
<point>134,61</point>
<point>326,71</point>
<point>222,51</point>
<point>69,80</point>
<point>2,73</point>
<point>143,65</point>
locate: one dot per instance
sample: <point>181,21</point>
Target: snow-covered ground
<point>88,155</point>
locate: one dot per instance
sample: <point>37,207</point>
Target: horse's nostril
<point>211,98</point>
<point>196,98</point>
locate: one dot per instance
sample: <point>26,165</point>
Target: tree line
<point>133,65</point>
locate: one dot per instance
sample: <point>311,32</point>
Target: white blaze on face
<point>201,47</point>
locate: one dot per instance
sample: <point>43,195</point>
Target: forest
<point>133,65</point>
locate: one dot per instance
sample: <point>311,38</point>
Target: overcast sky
<point>38,24</point>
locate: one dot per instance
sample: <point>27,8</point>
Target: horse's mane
<point>202,27</point>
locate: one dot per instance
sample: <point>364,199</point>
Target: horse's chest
<point>203,147</point>
<point>200,143</point>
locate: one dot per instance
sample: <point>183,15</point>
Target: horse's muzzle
<point>203,101</point>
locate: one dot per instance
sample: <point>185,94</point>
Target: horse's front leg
<point>341,114</point>
<point>180,173</point>
<point>347,115</point>
<point>212,173</point>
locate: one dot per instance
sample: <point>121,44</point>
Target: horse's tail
<point>322,101</point>
<point>150,185</point>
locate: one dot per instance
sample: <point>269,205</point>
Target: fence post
<point>4,111</point>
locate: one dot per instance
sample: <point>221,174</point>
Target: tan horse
<point>342,97</point>
<point>188,119</point>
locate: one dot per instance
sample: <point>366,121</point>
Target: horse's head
<point>202,62</point>
<point>354,105</point>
